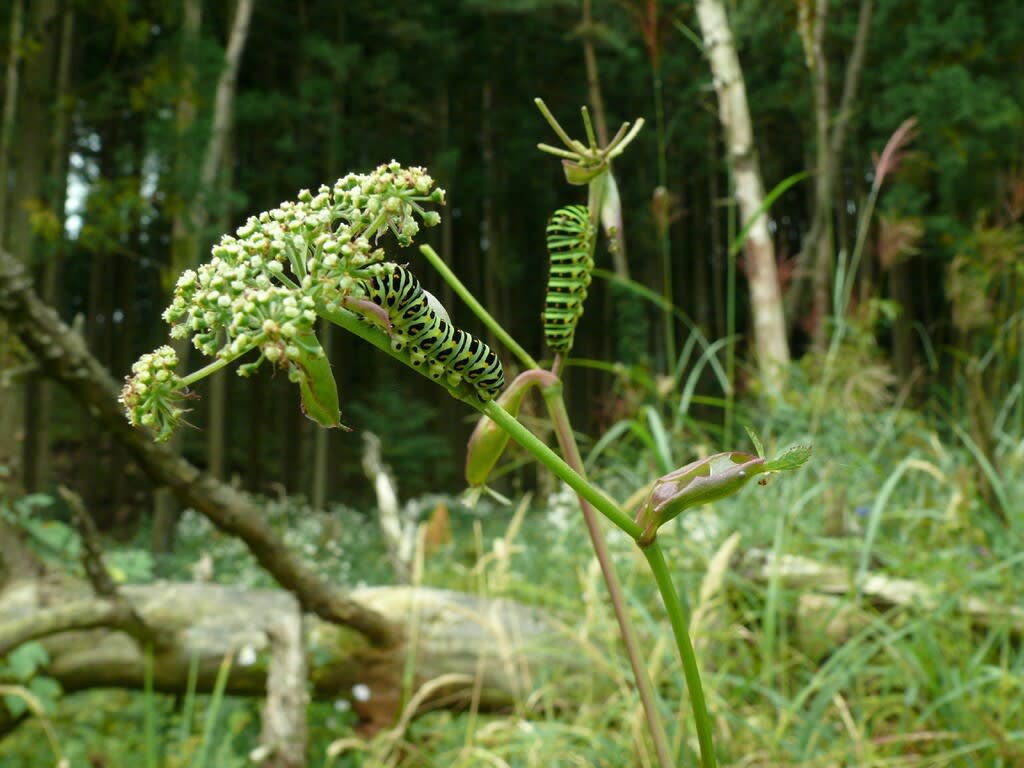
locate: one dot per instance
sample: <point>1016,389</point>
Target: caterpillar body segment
<point>422,327</point>
<point>570,241</point>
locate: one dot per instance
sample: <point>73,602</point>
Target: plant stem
<point>477,308</point>
<point>654,556</point>
<point>213,367</point>
<point>567,443</point>
<point>552,461</point>
<point>656,560</point>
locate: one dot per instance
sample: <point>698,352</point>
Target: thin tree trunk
<point>492,254</point>
<point>593,80</point>
<point>901,291</point>
<point>29,156</point>
<point>734,114</point>
<point>184,247</point>
<point>836,142</point>
<point>11,84</point>
<point>284,733</point>
<point>718,271</point>
<point>618,250</point>
<point>257,391</point>
<point>822,224</point>
<point>37,395</point>
<point>217,413</point>
<point>38,407</point>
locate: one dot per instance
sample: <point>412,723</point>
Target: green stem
<point>656,560</point>
<point>213,367</point>
<point>595,198</point>
<point>477,308</point>
<point>557,127</point>
<point>552,461</point>
<point>567,443</point>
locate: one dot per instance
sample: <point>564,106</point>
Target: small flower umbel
<point>152,394</point>
<point>706,480</point>
<point>581,162</point>
<point>263,286</point>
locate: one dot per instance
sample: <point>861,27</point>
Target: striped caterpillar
<point>570,241</point>
<point>420,324</point>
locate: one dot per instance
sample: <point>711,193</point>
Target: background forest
<point>871,614</point>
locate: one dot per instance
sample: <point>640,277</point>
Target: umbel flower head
<point>151,395</point>
<point>263,282</point>
<point>261,287</point>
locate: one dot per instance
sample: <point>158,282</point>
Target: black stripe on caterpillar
<point>421,325</point>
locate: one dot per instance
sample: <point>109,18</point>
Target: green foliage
<point>50,538</point>
<point>341,545</point>
<point>25,666</point>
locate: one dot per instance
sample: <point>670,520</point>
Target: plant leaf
<point>488,440</point>
<point>312,371</point>
<point>792,458</point>
<point>758,447</point>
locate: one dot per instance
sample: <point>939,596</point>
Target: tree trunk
<point>901,291</point>
<point>765,299</point>
<point>835,140</point>
<point>11,89</point>
<point>827,618</point>
<point>184,247</point>
<point>820,238</point>
<point>31,158</point>
<point>37,424</point>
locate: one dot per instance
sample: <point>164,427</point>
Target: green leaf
<point>578,175</point>
<point>24,660</point>
<point>15,705</point>
<point>488,440</point>
<point>47,690</point>
<point>699,482</point>
<point>792,458</point>
<point>758,447</point>
<point>312,371</point>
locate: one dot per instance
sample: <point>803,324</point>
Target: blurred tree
<point>772,347</point>
<point>33,95</point>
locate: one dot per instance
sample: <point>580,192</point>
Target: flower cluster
<point>316,248</point>
<point>261,288</point>
<point>151,395</point>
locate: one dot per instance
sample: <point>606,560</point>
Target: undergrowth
<point>867,613</point>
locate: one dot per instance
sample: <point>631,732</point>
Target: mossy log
<point>494,649</point>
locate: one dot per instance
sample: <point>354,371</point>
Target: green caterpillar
<point>570,240</point>
<point>420,324</point>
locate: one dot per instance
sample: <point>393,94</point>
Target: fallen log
<point>826,617</point>
<point>490,648</point>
